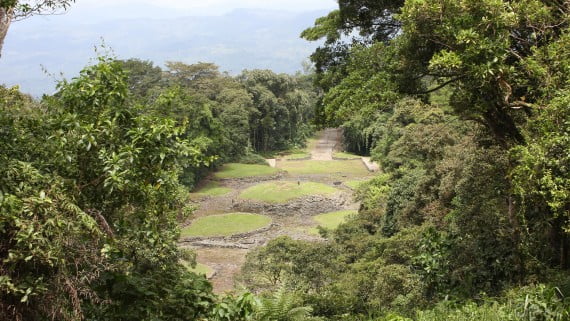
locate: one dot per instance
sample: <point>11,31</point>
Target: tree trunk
<point>502,126</point>
<point>5,20</point>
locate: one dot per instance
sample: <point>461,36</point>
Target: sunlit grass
<point>200,269</point>
<point>353,167</point>
<point>355,184</point>
<point>225,225</point>
<point>284,191</point>
<point>331,220</point>
<point>234,170</point>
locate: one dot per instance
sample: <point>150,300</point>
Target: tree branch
<point>102,222</point>
<point>438,87</point>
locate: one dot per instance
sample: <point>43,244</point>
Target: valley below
<point>292,197</point>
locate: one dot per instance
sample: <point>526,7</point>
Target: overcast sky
<point>224,4</point>
<point>215,7</point>
<point>161,30</point>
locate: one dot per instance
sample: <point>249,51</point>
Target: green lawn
<point>281,192</point>
<point>234,170</point>
<point>346,155</point>
<point>225,225</point>
<point>212,189</point>
<point>331,220</point>
<point>354,167</point>
<point>199,269</point>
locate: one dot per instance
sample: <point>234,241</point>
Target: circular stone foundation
<point>285,191</point>
<point>225,225</point>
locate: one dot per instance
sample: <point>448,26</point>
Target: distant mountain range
<point>241,39</point>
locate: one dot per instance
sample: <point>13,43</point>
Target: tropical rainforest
<point>465,104</point>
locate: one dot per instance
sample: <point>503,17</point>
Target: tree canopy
<point>464,104</point>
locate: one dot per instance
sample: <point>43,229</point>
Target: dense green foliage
<point>229,118</point>
<point>465,105</point>
<point>92,186</point>
<point>90,202</point>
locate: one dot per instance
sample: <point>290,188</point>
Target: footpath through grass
<point>225,225</point>
<point>234,170</point>
<point>212,189</point>
<point>284,191</point>
<point>353,167</point>
<point>331,220</point>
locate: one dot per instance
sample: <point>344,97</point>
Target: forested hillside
<point>463,103</point>
<point>466,106</point>
<point>94,183</point>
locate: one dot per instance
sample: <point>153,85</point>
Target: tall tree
<point>89,206</point>
<point>478,47</point>
<point>356,22</point>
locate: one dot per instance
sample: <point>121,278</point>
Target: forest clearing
<point>295,216</point>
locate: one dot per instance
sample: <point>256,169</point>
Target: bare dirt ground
<point>225,262</point>
<point>294,219</point>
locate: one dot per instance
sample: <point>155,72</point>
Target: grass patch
<point>281,192</point>
<point>355,184</point>
<point>200,269</point>
<point>295,156</point>
<point>212,189</point>
<point>225,225</point>
<point>234,170</point>
<point>331,220</point>
<point>346,155</point>
<point>354,167</point>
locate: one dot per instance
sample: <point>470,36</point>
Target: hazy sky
<point>215,7</point>
<point>264,35</point>
<point>227,4</point>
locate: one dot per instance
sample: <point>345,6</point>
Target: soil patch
<point>226,264</point>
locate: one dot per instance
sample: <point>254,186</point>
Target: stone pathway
<point>328,141</point>
<point>372,166</point>
<point>272,162</point>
